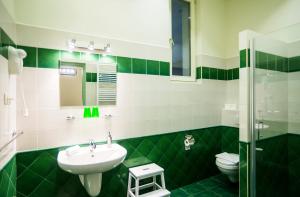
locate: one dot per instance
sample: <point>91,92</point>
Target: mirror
<point>87,84</point>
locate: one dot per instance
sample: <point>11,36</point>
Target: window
<point>182,36</point>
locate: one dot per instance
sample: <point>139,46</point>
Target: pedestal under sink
<point>90,165</point>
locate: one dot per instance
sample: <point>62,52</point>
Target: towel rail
<point>15,135</point>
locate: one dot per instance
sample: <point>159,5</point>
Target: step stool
<point>143,172</point>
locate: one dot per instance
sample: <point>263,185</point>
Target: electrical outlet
<point>7,99</point>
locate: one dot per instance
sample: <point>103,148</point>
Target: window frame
<point>192,77</point>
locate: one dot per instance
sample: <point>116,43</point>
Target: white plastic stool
<point>143,172</point>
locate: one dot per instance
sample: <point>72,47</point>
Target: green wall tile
<point>124,64</point>
<point>152,67</point>
<point>4,52</point>
<point>205,72</point>
<point>293,164</point>
<point>280,63</point>
<point>88,77</point>
<point>230,139</point>
<point>39,174</point>
<point>257,62</point>
<point>230,74</point>
<point>213,73</point>
<point>243,58</point>
<point>90,57</point>
<point>249,55</point>
<point>226,74</point>
<point>8,179</point>
<point>286,63</point>
<point>70,55</point>
<point>0,39</point>
<point>164,68</point>
<point>108,59</point>
<point>94,77</point>
<point>48,58</point>
<point>294,64</point>
<point>5,40</point>
<point>271,62</point>
<point>277,63</point>
<point>31,58</point>
<point>244,163</point>
<point>139,66</point>
<point>216,73</point>
<point>263,59</point>
<point>271,166</point>
<point>221,74</point>
<point>198,73</point>
<point>235,73</point>
<point>91,77</point>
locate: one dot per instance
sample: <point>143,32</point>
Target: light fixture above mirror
<point>73,44</point>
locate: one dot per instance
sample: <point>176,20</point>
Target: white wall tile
<point>146,105</point>
<point>294,102</point>
<point>7,112</point>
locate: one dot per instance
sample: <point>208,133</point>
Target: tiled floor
<point>216,186</point>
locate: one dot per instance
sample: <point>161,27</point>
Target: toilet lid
<point>228,158</point>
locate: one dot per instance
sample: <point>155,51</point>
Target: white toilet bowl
<point>228,164</point>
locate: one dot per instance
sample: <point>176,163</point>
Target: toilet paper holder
<point>188,142</point>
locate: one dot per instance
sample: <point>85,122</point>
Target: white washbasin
<point>261,126</point>
<point>102,159</point>
<point>90,165</point>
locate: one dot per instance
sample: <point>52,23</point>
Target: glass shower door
<point>270,121</point>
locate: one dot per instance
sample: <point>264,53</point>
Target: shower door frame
<point>252,121</point>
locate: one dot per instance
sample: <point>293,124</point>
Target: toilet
<point>228,164</point>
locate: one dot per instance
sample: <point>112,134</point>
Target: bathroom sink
<point>89,163</point>
<point>261,126</point>
<point>85,161</point>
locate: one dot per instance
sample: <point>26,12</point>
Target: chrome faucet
<point>109,139</point>
<point>92,145</point>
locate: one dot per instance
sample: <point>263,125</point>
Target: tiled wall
<point>8,179</point>
<point>217,73</point>
<point>39,175</point>
<point>40,74</point>
<point>244,153</point>
<point>277,63</point>
<point>275,173</point>
<point>147,103</point>
<point>272,167</point>
<point>7,122</point>
<point>293,164</point>
<point>293,102</point>
<point>270,61</point>
<point>278,166</point>
<point>5,40</point>
<point>49,58</point>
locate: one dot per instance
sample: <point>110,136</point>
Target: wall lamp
<point>73,44</point>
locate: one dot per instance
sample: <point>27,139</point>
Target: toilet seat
<point>227,160</point>
<point>225,166</point>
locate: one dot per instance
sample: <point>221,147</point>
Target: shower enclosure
<point>275,113</point>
